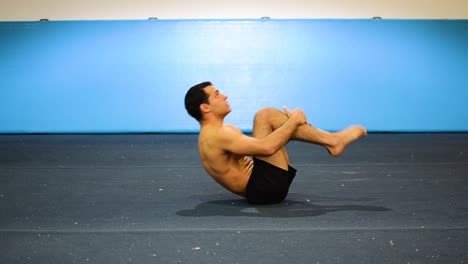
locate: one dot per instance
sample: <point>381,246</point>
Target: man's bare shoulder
<point>228,128</point>
<point>221,138</point>
<point>219,133</point>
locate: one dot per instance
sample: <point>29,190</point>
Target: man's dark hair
<point>194,98</point>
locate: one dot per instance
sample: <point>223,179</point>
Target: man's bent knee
<point>267,113</point>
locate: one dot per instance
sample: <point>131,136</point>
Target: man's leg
<point>269,119</point>
<point>264,124</point>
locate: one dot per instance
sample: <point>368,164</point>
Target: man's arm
<point>234,141</point>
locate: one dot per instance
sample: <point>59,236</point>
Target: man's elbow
<point>269,150</point>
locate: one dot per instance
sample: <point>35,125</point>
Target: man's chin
<point>228,111</point>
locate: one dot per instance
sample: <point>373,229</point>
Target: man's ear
<point>205,108</point>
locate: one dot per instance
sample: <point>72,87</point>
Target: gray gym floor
<point>144,198</point>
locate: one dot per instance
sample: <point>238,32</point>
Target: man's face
<point>217,101</point>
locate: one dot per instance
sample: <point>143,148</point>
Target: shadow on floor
<point>287,209</point>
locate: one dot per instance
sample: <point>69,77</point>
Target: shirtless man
<point>226,152</point>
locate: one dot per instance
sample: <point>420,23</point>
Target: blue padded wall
<point>131,76</point>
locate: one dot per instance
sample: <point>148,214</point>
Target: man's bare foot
<point>345,137</point>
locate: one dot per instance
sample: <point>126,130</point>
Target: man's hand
<point>297,115</point>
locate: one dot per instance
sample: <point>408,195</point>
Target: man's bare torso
<point>230,170</point>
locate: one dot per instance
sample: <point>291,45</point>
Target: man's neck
<point>212,121</point>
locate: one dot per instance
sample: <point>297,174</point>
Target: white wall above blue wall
<point>27,10</point>
<point>131,76</point>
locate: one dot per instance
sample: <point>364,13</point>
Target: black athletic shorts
<point>268,184</point>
